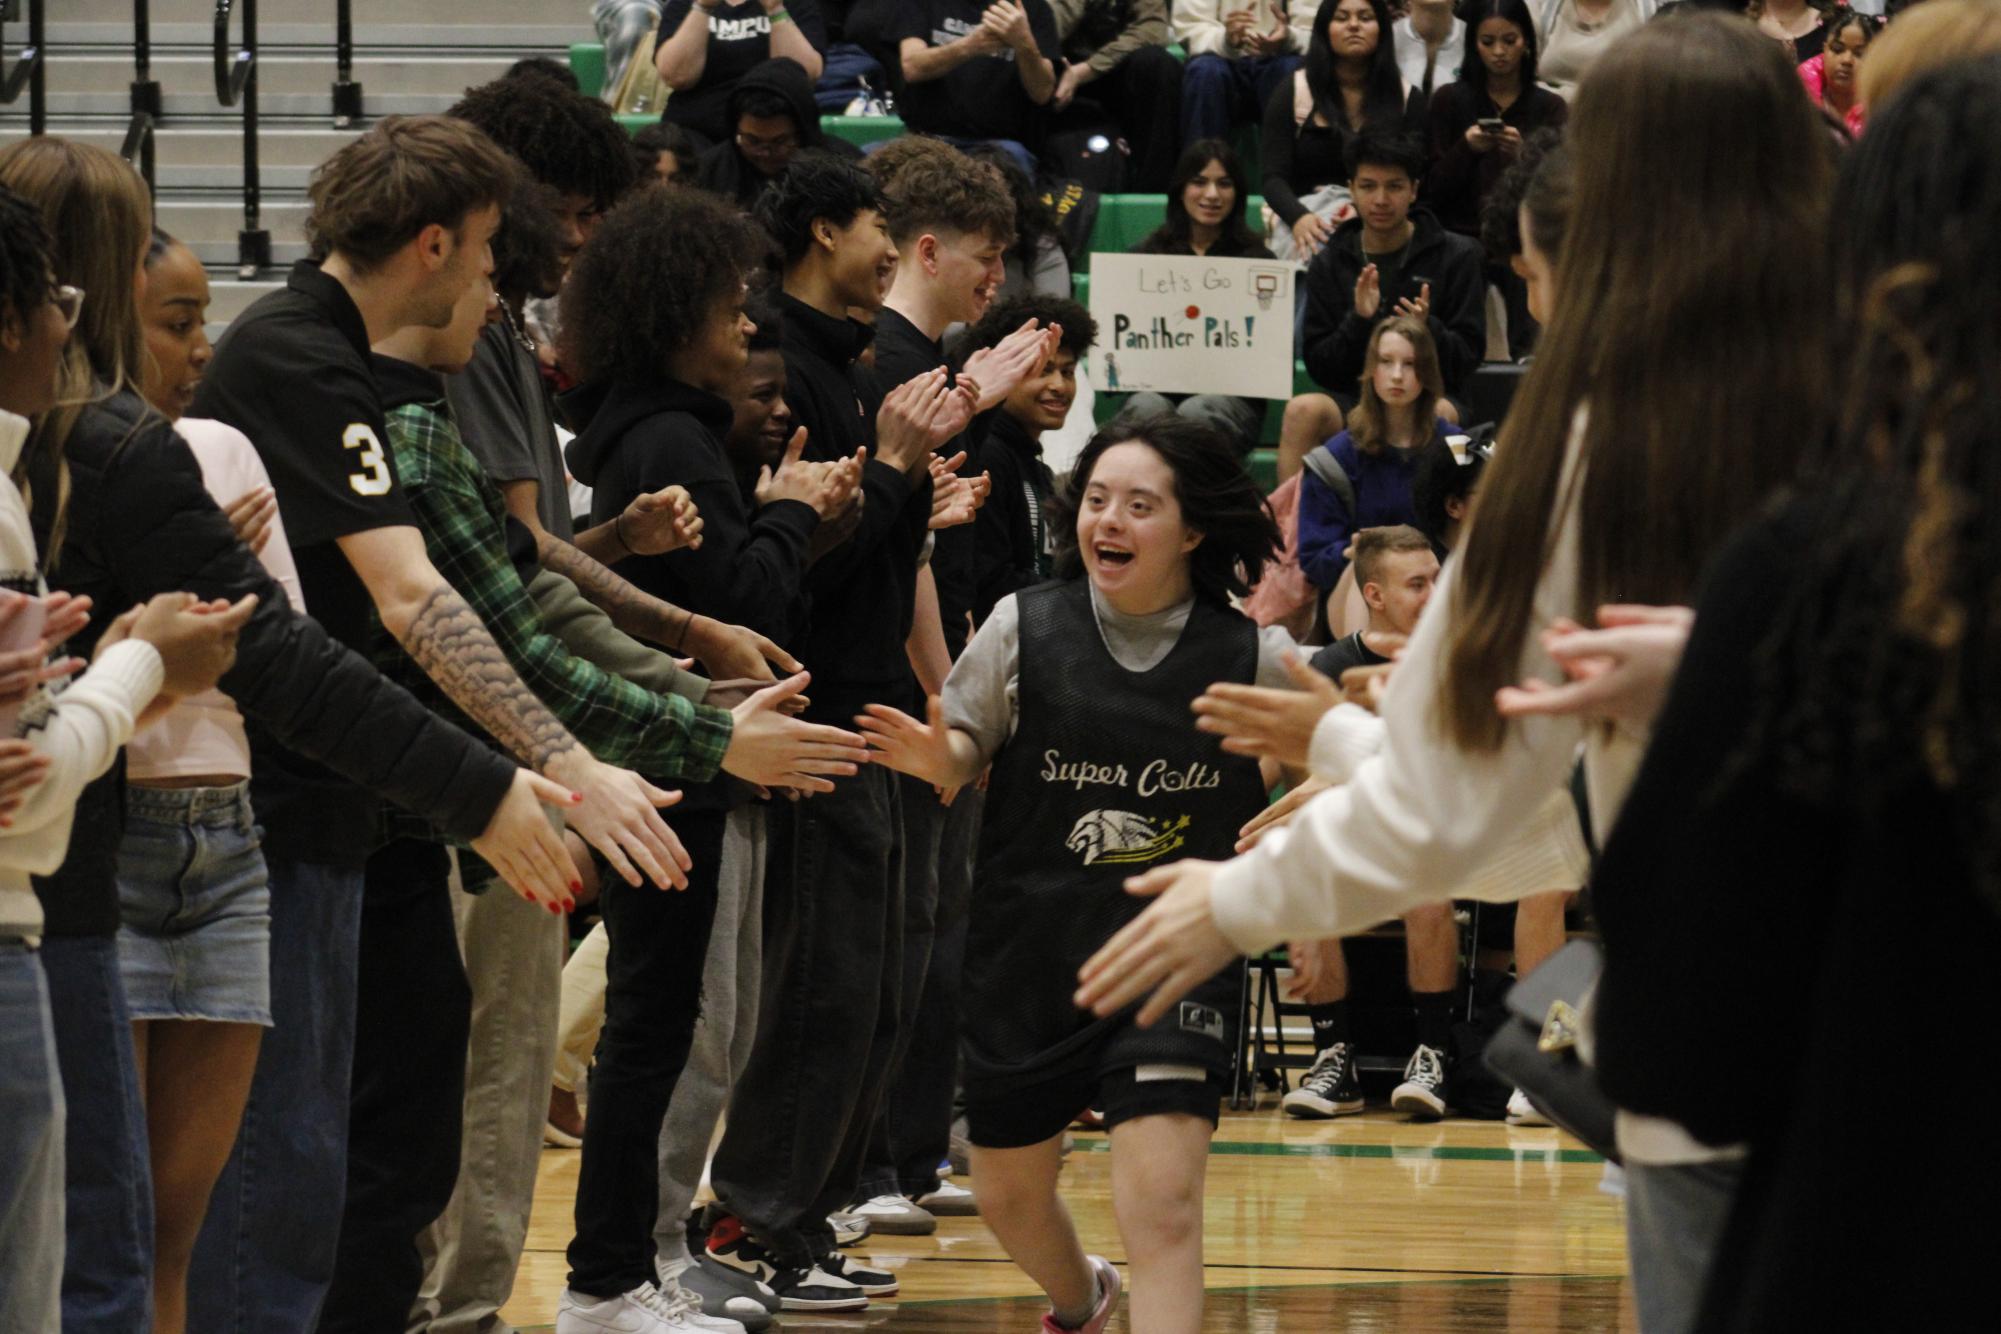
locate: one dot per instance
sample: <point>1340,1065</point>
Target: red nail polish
<point>556,909</point>
<point>576,887</point>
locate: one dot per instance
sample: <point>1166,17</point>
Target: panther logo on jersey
<point>1124,838</point>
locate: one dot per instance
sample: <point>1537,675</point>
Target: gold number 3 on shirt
<point>372,477</point>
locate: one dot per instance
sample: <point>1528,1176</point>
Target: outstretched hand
<point>1620,673</point>
<point>1265,723</point>
<point>1164,953</point>
<point>1279,813</point>
<point>920,749</point>
<point>772,748</point>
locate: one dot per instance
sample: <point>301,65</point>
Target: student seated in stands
<point>973,71</point>
<point>1833,77</point>
<point>1431,45</point>
<point>773,120</point>
<point>1205,216</point>
<point>1014,544</point>
<point>665,151</point>
<point>1574,33</point>
<point>1392,258</point>
<point>1239,53</point>
<point>1349,83</point>
<point>1116,56</point>
<point>707,46</point>
<point>1369,482</point>
<point>1396,572</point>
<point>1478,127</point>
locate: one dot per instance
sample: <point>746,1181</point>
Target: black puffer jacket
<point>139,523</point>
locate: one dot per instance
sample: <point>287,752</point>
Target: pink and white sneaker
<point>1109,1286</point>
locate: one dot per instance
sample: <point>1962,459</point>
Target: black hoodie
<point>750,568</point>
<point>725,170</point>
<point>865,589</point>
<point>1334,339</point>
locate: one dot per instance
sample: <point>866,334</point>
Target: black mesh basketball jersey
<point>1104,777</point>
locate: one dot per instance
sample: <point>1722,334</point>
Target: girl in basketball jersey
<point>1076,693</point>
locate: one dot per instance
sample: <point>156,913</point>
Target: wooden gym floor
<point>1367,1223</point>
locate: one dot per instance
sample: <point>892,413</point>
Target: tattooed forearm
<point>448,640</point>
<point>632,610</point>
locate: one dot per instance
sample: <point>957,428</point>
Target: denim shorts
<point>194,901</point>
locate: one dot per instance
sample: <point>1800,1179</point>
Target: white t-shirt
<point>1444,64</point>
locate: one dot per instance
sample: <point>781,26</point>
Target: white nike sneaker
<point>644,1310</point>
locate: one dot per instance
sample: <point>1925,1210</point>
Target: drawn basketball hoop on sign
<point>1265,284</point>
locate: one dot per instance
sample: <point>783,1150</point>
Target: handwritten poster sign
<point>1191,325</point>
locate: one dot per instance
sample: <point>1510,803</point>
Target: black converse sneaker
<point>1422,1093</point>
<point>1329,1089</point>
<point>872,1282</point>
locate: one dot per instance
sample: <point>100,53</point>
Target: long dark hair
<point>1474,72</point>
<point>1217,496</point>
<point>1664,305</point>
<point>1384,96</point>
<point>1890,646</point>
<point>1179,228</point>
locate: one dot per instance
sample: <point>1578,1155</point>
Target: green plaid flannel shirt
<point>463,519</point>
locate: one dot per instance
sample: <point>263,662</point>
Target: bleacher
<point>153,91</point>
<point>1122,221</point>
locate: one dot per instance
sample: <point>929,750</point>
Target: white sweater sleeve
<point>1346,735</point>
<point>1420,821</point>
<point>81,733</point>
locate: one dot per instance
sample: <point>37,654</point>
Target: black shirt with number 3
<point>293,374</point>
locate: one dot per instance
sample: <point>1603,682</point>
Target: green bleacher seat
<point>637,120</point>
<point>587,63</point>
<point>862,130</point>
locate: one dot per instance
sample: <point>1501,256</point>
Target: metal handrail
<point>236,81</point>
<point>232,76</point>
<point>28,72</point>
<point>346,92</point>
<point>145,88</point>
<point>139,142</point>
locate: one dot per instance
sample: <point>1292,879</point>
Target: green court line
<point>1461,1153</point>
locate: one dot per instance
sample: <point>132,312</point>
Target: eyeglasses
<point>68,302</point>
<point>757,143</point>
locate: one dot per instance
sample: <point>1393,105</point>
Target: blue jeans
<point>1219,93</point>
<point>1674,1218</point>
<point>847,73</point>
<point>266,1250</point>
<point>108,1188</point>
<point>1023,158</point>
<point>31,1149</point>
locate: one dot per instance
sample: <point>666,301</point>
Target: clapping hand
<point>1265,723</point>
<point>658,522</point>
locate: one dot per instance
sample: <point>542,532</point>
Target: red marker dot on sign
<point>1194,311</point>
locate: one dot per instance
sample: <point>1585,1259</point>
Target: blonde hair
<point>1925,37</point>
<point>1369,423</point>
<point>100,220</point>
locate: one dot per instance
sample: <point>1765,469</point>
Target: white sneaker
<point>894,1216</point>
<point>1522,1112</point>
<point>644,1310</point>
<point>726,1306</point>
<point>949,1201</point>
